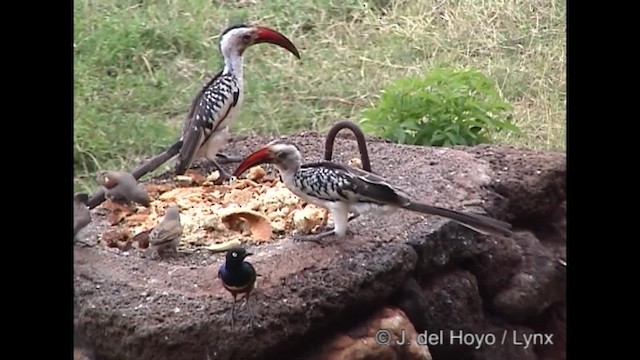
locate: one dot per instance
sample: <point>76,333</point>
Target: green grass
<point>139,64</point>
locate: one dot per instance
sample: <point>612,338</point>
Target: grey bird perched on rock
<point>122,186</point>
<point>81,214</point>
<point>342,190</point>
<point>206,127</point>
<point>168,232</point>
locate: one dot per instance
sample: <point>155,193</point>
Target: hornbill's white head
<point>237,38</point>
<point>284,154</point>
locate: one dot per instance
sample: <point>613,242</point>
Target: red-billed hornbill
<point>206,127</point>
<point>342,190</point>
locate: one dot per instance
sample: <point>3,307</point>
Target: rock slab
<point>441,275</point>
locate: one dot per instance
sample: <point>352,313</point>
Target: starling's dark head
<point>235,39</point>
<point>237,254</point>
<point>283,153</point>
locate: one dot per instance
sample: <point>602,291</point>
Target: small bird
<point>206,127</point>
<point>167,234</point>
<point>81,214</point>
<point>122,186</point>
<point>343,190</point>
<point>238,277</point>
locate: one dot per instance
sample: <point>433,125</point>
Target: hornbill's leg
<point>228,159</point>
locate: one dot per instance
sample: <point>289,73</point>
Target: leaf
<point>400,135</point>
<point>438,136</point>
<point>451,137</point>
<point>454,128</point>
<point>410,125</point>
<point>446,105</point>
<point>424,135</point>
<point>485,120</point>
<point>463,140</point>
<point>471,132</point>
<point>510,127</point>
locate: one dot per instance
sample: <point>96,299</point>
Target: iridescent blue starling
<point>238,277</point>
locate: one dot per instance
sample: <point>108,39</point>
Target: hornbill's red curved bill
<point>342,190</point>
<point>206,126</point>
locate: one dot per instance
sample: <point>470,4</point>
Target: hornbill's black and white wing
<point>338,182</point>
<point>208,111</point>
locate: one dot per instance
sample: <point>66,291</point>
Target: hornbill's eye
<point>246,37</point>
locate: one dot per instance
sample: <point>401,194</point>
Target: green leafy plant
<point>447,107</point>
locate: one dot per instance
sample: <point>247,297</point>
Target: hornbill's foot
<point>200,165</point>
<point>313,237</point>
<point>228,159</point>
<point>318,236</point>
<point>224,177</point>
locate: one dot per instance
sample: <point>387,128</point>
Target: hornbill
<point>342,190</point>
<point>206,126</point>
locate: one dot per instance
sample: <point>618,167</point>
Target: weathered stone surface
<point>517,278</point>
<point>163,310</point>
<point>539,282</point>
<point>129,307</point>
<point>451,315</point>
<point>450,301</point>
<point>533,182</point>
<point>552,321</point>
<point>387,335</point>
<point>453,299</point>
<point>509,344</point>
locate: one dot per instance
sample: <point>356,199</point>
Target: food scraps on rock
<point>255,209</point>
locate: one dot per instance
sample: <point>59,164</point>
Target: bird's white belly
<point>215,142</point>
<point>309,199</point>
<point>233,113</point>
<point>370,208</point>
<point>219,138</point>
